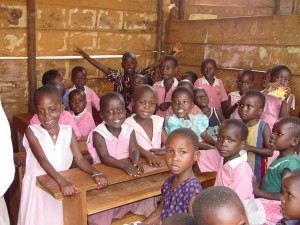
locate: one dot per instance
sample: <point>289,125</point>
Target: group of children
<point>171,118</point>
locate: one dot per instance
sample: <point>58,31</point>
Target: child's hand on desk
<point>158,151</point>
<point>153,160</point>
<point>133,170</point>
<point>101,180</point>
<point>67,188</point>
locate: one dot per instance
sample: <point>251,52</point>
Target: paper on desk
<point>255,212</point>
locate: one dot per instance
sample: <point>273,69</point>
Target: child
<point>219,206</point>
<point>285,138</point>
<point>290,199</point>
<point>65,117</point>
<point>214,115</point>
<point>110,142</point>
<point>230,161</point>
<point>164,88</point>
<point>83,119</point>
<point>79,79</point>
<point>180,219</point>
<point>122,80</point>
<point>179,191</point>
<point>148,128</point>
<point>189,75</point>
<point>266,79</point>
<point>182,102</point>
<point>50,148</point>
<point>257,145</point>
<point>245,80</point>
<point>195,110</point>
<point>214,87</point>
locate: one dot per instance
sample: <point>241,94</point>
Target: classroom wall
<point>106,27</point>
<point>256,43</point>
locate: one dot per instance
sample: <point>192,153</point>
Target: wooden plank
<point>236,3</point>
<point>74,209</point>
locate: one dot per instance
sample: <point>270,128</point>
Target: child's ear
<point>295,142</point>
<point>260,111</point>
<point>196,155</point>
<point>176,69</point>
<point>243,144</point>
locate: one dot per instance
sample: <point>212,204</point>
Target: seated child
<point>179,191</point>
<point>110,142</point>
<point>79,79</point>
<point>148,128</point>
<point>214,115</point>
<point>189,75</point>
<point>195,109</point>
<point>50,148</point>
<point>136,80</point>
<point>65,117</point>
<point>245,80</point>
<point>250,108</point>
<point>290,199</point>
<point>230,160</point>
<point>164,88</point>
<point>180,219</point>
<point>214,87</point>
<point>285,138</point>
<point>182,102</point>
<point>266,79</point>
<point>83,119</point>
<point>219,206</point>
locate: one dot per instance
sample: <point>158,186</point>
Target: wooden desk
<point>123,189</point>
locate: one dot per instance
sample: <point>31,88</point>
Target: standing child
<point>148,128</point>
<point>50,148</point>
<point>214,87</point>
<point>250,108</point>
<point>83,119</point>
<point>230,161</point>
<point>285,138</point>
<point>110,142</point>
<point>214,115</point>
<point>164,88</point>
<point>182,102</point>
<point>179,191</point>
<point>219,206</point>
<point>79,79</point>
<point>245,80</point>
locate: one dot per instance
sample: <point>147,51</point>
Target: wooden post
<point>160,24</point>
<point>31,46</point>
<point>295,7</point>
<point>277,7</point>
<point>181,6</point>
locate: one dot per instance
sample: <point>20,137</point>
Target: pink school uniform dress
<point>141,136</point>
<point>65,119</point>
<point>235,174</point>
<point>162,96</point>
<point>216,93</point>
<point>234,98</point>
<point>84,122</point>
<point>37,206</point>
<point>195,110</point>
<point>92,99</point>
<point>119,149</point>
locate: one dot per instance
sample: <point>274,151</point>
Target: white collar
<point>216,82</point>
<point>237,161</point>
<point>236,93</point>
<point>85,88</point>
<point>174,85</point>
<point>79,115</point>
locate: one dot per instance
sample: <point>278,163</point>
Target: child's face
<point>245,83</point>
<point>60,78</point>
<point>113,113</point>
<point>201,98</point>
<point>136,81</point>
<point>180,154</point>
<point>282,137</point>
<point>168,70</point>
<point>129,65</point>
<point>79,79</point>
<point>229,141</point>
<point>48,110</point>
<point>145,104</point>
<point>77,103</point>
<point>283,78</point>
<point>231,214</point>
<point>209,70</point>
<point>266,80</point>
<point>182,104</point>
<point>290,199</point>
<point>249,108</point>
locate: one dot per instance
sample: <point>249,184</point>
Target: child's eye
<point>219,138</point>
<point>182,152</point>
<point>52,109</point>
<point>169,151</point>
<point>39,111</point>
<point>230,141</point>
<point>185,102</point>
<point>120,110</point>
<point>109,111</point>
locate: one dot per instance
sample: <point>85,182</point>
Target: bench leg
<point>74,209</point>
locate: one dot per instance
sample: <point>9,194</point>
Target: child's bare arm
<point>224,106</point>
<point>230,108</point>
<point>152,159</point>
<point>190,207</point>
<point>66,187</point>
<point>286,104</point>
<point>83,164</point>
<point>100,146</point>
<point>154,217</point>
<point>134,153</point>
<point>164,136</point>
<point>207,138</point>
<point>266,151</point>
<point>220,115</point>
<point>94,62</point>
